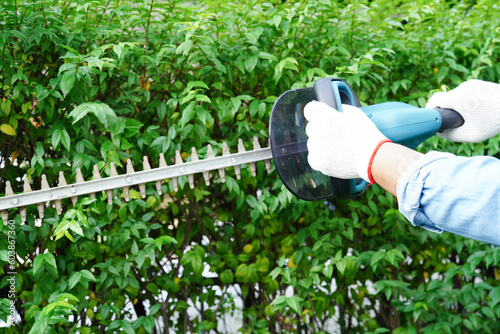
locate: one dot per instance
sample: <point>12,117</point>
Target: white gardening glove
<point>478,102</point>
<point>341,144</point>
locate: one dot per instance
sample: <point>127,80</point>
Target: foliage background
<point>86,83</point>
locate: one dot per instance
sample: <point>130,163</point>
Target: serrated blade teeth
<point>8,189</point>
<point>210,152</point>
<point>256,146</point>
<point>194,157</point>
<point>79,179</point>
<point>26,189</point>
<point>62,182</point>
<point>145,166</point>
<point>41,206</point>
<point>95,176</point>
<point>79,176</point>
<point>8,192</point>
<point>210,155</point>
<point>163,163</point>
<point>112,172</point>
<point>237,168</point>
<point>222,171</point>
<point>178,161</point>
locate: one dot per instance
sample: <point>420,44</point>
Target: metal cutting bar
<point>126,180</point>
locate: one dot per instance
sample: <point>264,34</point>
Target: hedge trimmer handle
<point>450,119</point>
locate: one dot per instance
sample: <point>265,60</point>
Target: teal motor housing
<point>403,123</point>
<point>400,122</point>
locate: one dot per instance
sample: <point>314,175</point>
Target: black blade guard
<point>289,141</point>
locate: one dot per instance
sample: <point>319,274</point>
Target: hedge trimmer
<point>400,122</point>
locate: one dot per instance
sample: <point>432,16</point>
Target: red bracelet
<point>383,141</point>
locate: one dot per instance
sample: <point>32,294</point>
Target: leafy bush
<point>87,83</point>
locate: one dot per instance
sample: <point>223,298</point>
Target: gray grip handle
<point>449,119</point>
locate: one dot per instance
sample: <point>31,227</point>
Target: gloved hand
<point>478,102</point>
<point>341,144</point>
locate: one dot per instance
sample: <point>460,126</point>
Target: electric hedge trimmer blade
<point>132,178</point>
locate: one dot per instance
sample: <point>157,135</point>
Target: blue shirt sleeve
<point>443,192</point>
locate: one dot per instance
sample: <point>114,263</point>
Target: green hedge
<point>86,83</point>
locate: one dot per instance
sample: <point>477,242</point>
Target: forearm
<point>389,164</point>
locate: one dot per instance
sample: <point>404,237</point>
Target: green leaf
<point>88,275</point>
<point>192,84</point>
<point>377,257</point>
<point>114,271</point>
<point>61,228</point>
<point>32,311</point>
<point>105,311</point>
<point>341,265</point>
<point>275,273</point>
<point>38,263</point>
<point>267,56</point>
<point>67,296</point>
<point>167,240</point>
<point>294,305</point>
<point>135,248</point>
<point>66,234</point>
<point>243,271</point>
<point>495,297</point>
<point>67,67</point>
<point>184,47</point>
<point>50,262</point>
<point>102,111</point>
<point>226,277</point>
<point>40,325</point>
<point>251,201</point>
<point>68,81</point>
<point>127,327</point>
<point>6,106</point>
<point>194,259</point>
<point>203,98</point>
<point>392,254</point>
<point>87,200</point>
<point>56,138</point>
<point>75,227</point>
<point>4,255</point>
<point>488,312</point>
<point>39,149</point>
<point>65,139</point>
<point>328,271</point>
<point>250,63</point>
<point>154,309</point>
<point>118,48</point>
<point>74,279</point>
<point>187,114</point>
<point>8,129</point>
<point>161,144</point>
<point>115,324</point>
<point>277,20</point>
<point>139,259</point>
<point>126,268</point>
<point>132,126</point>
